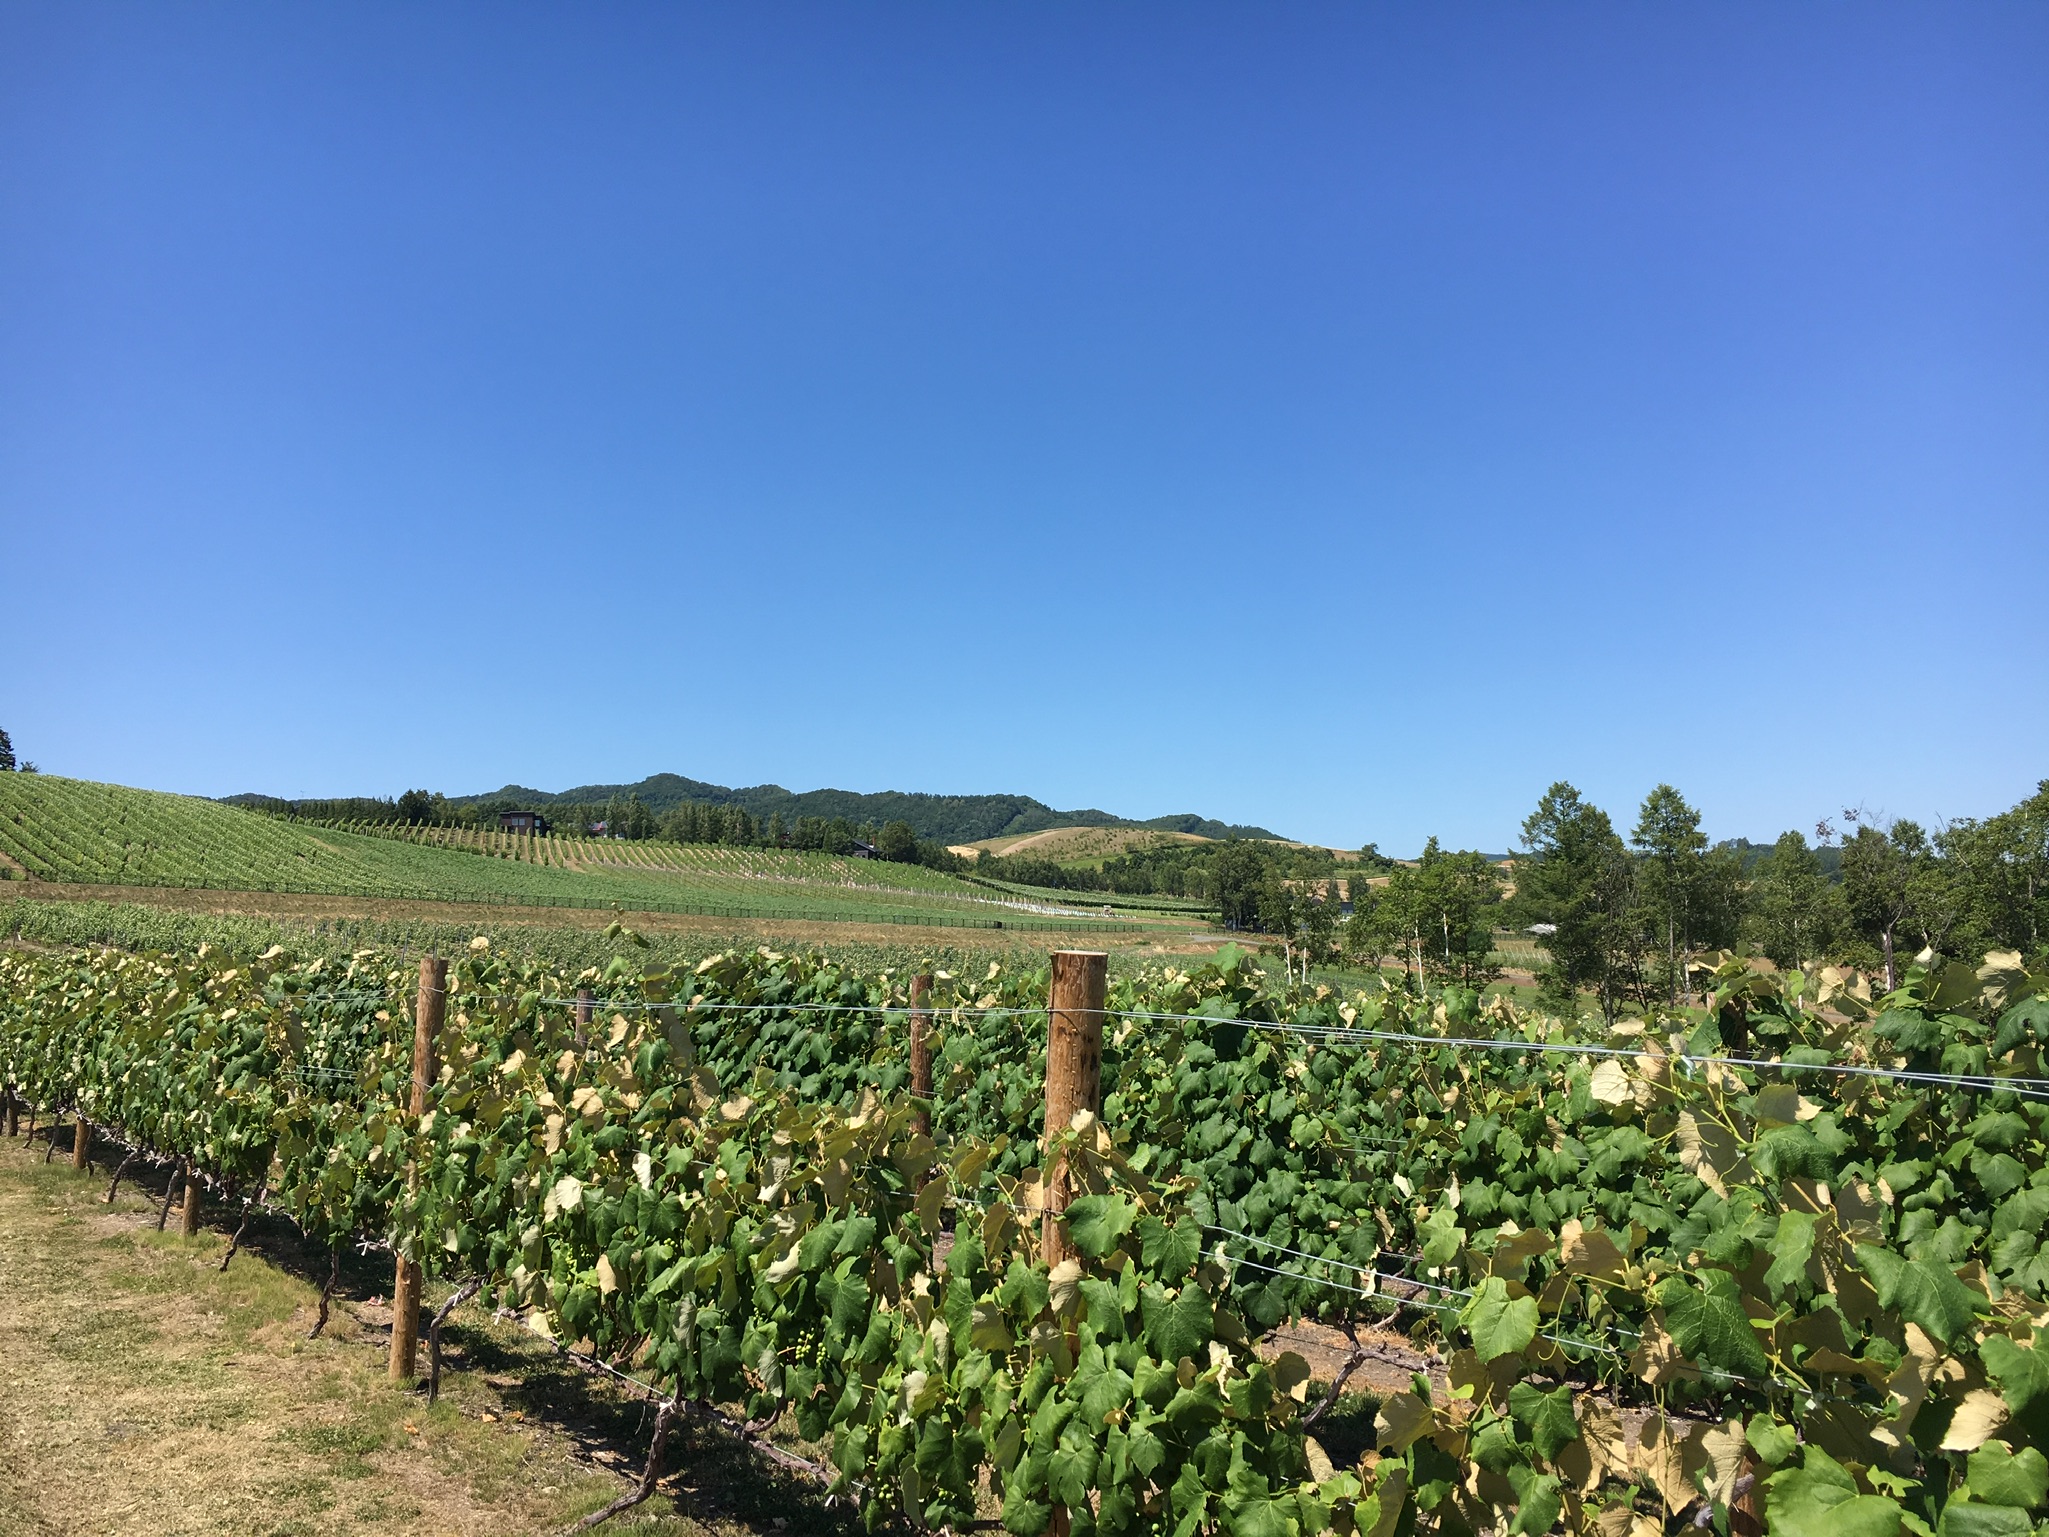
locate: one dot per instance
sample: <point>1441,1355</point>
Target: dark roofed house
<point>522,822</point>
<point>862,850</point>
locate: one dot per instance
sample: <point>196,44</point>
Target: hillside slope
<point>70,830</point>
<point>1079,845</point>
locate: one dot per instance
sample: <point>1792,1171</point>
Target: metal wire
<point>1349,1035</point>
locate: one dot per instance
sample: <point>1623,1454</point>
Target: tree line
<point>629,817</point>
<point>1620,917</point>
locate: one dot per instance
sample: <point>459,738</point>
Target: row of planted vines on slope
<point>1794,1277</point>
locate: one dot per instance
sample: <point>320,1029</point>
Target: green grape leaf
<point>2001,1476</point>
<point>1547,1416</point>
<point>1820,1499</point>
<point>1022,1515</point>
<point>850,1304</point>
<point>1711,1327</point>
<point>2026,1212</point>
<point>1967,1518</point>
<point>1170,1252</point>
<point>1537,1501</point>
<point>1105,1393</point>
<point>990,1330</point>
<point>2021,1371</point>
<point>2028,1019</point>
<point>1922,1291</point>
<point>1500,1325</point>
<point>1248,1515</point>
<point>1096,1222</point>
<point>1147,1450</point>
<point>1181,1327</point>
<point>1790,1247</point>
<point>1772,1442</point>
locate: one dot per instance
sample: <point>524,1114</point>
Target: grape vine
<point>1663,1285</point>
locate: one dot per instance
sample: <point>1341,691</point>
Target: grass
<point>1082,847</point>
<point>78,832</point>
<point>150,1394</point>
<point>246,924</point>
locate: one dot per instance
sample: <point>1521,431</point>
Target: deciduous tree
<point>1877,880</point>
<point>897,841</point>
<point>1674,853</point>
<point>1794,913</point>
<point>1576,879</point>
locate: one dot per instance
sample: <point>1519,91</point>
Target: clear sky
<point>1348,419</point>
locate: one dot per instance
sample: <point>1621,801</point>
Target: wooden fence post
<point>586,1001</point>
<point>1074,1075</point>
<point>188,1217</point>
<point>429,1008</point>
<point>81,1141</point>
<point>1746,1508</point>
<point>921,1047</point>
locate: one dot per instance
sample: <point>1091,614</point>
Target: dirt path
<point>148,1395</point>
<point>1391,1363</point>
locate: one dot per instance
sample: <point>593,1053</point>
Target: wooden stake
<point>1074,1074</point>
<point>1746,1507</point>
<point>429,1009</point>
<point>170,1194</point>
<point>921,1048</point>
<point>586,1001</point>
<point>456,1299</point>
<point>81,1141</point>
<point>327,1291</point>
<point>121,1169</point>
<point>188,1219</point>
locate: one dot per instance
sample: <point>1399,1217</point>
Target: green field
<point>55,829</point>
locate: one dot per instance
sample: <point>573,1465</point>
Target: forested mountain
<point>939,818</point>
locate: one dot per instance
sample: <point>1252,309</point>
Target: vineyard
<point>1782,1269</point>
<point>739,868</point>
<point>55,829</point>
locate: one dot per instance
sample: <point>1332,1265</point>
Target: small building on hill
<point>862,850</point>
<point>522,822</point>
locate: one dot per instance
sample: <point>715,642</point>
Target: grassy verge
<point>250,922</point>
<point>150,1393</point>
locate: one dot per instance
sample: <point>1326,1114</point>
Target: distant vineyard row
<point>754,864</point>
<point>69,830</point>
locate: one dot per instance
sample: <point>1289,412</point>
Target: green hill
<point>939,818</point>
<point>56,829</point>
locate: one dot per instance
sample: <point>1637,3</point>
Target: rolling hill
<point>941,818</point>
<point>77,832</point>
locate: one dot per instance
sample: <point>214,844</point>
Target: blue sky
<point>1348,419</point>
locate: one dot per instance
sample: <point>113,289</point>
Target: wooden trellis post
<point>81,1141</point>
<point>188,1215</point>
<point>429,1008</point>
<point>1074,1075</point>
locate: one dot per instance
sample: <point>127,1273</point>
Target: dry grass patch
<point>149,1395</point>
<point>492,918</point>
